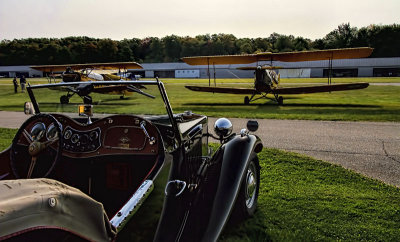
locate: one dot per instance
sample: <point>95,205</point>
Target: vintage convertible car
<point>124,170</point>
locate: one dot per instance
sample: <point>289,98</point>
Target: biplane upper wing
<point>313,55</point>
<point>223,90</point>
<point>320,88</point>
<point>99,66</point>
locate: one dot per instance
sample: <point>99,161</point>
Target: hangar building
<point>366,67</point>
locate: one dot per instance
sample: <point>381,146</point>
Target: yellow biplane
<point>92,72</point>
<point>266,79</point>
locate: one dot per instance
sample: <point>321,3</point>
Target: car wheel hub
<point>251,184</point>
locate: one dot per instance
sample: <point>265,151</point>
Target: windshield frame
<point>156,82</point>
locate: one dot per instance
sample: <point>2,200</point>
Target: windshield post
<point>33,99</point>
<point>169,109</point>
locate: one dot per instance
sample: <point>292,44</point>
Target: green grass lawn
<point>6,136</point>
<point>303,199</point>
<point>375,103</point>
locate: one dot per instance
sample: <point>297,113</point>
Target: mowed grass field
<point>303,199</point>
<point>375,103</point>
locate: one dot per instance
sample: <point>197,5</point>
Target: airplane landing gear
<point>280,100</point>
<point>246,100</point>
<point>121,97</point>
<point>87,100</point>
<point>64,99</point>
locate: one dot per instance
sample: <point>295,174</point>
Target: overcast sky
<point>119,19</point>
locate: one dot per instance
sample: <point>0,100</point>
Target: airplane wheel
<point>246,100</point>
<point>121,97</point>
<point>64,99</point>
<point>280,100</point>
<point>87,100</point>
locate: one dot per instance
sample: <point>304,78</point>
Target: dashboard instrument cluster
<point>81,141</point>
<point>117,134</point>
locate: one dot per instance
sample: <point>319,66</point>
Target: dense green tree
<point>190,46</point>
<point>245,46</point>
<point>172,48</point>
<point>342,37</point>
<point>156,49</point>
<point>82,49</point>
<point>301,44</point>
<point>284,43</point>
<point>124,51</point>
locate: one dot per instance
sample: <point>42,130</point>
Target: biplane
<point>92,72</point>
<point>266,80</point>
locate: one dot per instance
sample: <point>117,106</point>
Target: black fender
<point>238,152</point>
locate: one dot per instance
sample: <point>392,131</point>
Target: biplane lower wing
<point>320,88</point>
<point>110,89</point>
<point>230,90</point>
<point>282,90</point>
<point>117,89</point>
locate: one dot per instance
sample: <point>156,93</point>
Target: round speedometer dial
<point>51,133</point>
<point>36,131</point>
<point>75,138</point>
<point>93,135</point>
<point>67,134</point>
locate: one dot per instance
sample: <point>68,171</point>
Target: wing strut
<point>330,69</point>
<point>215,81</point>
<point>208,71</point>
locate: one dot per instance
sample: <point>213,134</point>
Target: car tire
<point>246,201</point>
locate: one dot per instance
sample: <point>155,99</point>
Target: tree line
<point>42,51</point>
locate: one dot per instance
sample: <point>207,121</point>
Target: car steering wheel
<point>44,153</point>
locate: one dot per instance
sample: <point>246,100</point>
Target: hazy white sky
<point>119,19</point>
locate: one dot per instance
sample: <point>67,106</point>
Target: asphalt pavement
<point>370,148</point>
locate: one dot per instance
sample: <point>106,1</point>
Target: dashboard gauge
<point>51,133</point>
<point>84,139</point>
<point>75,138</point>
<point>93,135</point>
<point>37,130</point>
<point>67,134</point>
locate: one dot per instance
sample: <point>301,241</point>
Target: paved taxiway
<point>370,148</point>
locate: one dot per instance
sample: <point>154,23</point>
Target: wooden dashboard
<point>117,134</point>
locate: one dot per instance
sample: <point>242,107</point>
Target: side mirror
<point>252,125</point>
<point>223,127</point>
<point>28,108</point>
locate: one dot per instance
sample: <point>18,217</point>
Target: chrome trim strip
<point>130,208</point>
<point>4,175</point>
